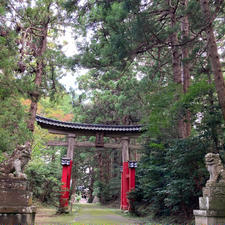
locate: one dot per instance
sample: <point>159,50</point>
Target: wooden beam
<point>125,149</point>
<point>57,143</point>
<point>87,144</point>
<point>93,133</point>
<point>71,145</point>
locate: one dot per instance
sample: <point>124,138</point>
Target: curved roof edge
<point>43,121</point>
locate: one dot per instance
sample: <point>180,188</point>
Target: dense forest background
<point>156,63</point>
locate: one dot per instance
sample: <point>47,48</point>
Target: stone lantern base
<point>15,202</point>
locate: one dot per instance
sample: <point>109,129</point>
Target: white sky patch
<point>69,43</point>
<point>70,79</point>
<point>69,48</point>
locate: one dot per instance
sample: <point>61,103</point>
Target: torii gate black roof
<point>88,129</point>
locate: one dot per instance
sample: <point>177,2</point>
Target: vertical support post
<point>124,205</point>
<point>67,163</point>
<point>132,179</point>
<point>69,172</point>
<point>64,189</point>
<point>70,150</point>
<point>71,143</point>
<point>125,187</point>
<point>125,149</point>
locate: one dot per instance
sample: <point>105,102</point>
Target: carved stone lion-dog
<point>215,168</point>
<point>14,166</point>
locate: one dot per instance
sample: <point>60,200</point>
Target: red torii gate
<point>72,130</point>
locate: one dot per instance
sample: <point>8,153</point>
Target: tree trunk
<point>91,186</point>
<point>214,56</point>
<point>176,63</point>
<point>185,67</point>
<point>35,94</point>
<point>100,166</point>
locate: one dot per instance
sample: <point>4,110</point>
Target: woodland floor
<point>85,214</point>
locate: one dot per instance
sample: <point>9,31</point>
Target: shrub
<point>169,179</point>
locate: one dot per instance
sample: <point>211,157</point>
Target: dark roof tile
<point>82,126</point>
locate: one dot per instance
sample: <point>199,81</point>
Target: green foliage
<point>111,97</point>
<point>44,178</point>
<point>196,97</point>
<point>108,192</point>
<point>161,104</point>
<point>13,129</point>
<point>170,179</point>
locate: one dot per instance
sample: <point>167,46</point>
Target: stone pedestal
<point>212,205</point>
<point>15,202</point>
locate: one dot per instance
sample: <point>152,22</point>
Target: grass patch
<point>84,214</point>
<point>48,216</point>
<point>97,214</point>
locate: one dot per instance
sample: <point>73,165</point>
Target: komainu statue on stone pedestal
<point>212,204</point>
<point>215,168</point>
<point>14,166</point>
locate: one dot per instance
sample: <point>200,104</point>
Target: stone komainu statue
<point>15,164</point>
<point>215,168</point>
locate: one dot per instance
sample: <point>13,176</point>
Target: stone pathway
<point>90,214</point>
<point>96,214</point>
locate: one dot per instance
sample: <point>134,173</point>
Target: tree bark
<point>91,186</point>
<point>185,67</point>
<point>176,63</point>
<point>35,94</point>
<point>214,56</point>
<point>175,50</point>
<point>100,166</point>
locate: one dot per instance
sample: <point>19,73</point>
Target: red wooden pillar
<point>132,165</point>
<point>131,179</point>
<point>124,205</point>
<point>67,163</point>
<point>65,187</point>
<point>69,176</point>
<point>127,183</point>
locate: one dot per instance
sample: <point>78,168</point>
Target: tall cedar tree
<point>34,24</point>
<point>185,64</point>
<point>213,52</point>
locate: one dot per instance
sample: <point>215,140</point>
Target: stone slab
<point>209,203</point>
<point>16,202</point>
<point>10,215</point>
<point>15,198</point>
<point>201,220</point>
<point>209,217</point>
<point>209,213</point>
<point>17,209</point>
<point>14,192</point>
<point>13,183</point>
<point>17,219</point>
